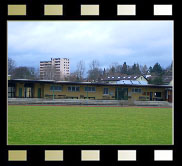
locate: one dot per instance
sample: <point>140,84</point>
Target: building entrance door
<point>121,93</point>
<point>39,92</point>
<point>28,92</point>
<point>20,92</point>
<point>151,95</point>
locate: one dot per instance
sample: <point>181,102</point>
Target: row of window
<point>90,89</point>
<point>136,90</point>
<point>77,89</point>
<point>93,89</point>
<point>156,94</point>
<point>56,88</point>
<point>73,88</point>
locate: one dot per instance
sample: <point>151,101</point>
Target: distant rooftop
<point>121,77</point>
<point>132,82</point>
<point>126,82</point>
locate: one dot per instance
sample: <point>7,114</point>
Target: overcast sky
<point>143,42</point>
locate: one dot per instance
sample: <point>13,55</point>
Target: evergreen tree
<point>124,68</point>
<point>104,72</point>
<point>156,81</point>
<point>134,68</point>
<point>137,69</point>
<point>150,69</point>
<point>157,69</point>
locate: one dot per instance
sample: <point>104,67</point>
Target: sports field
<point>75,125</point>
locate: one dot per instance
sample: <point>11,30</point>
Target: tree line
<point>94,74</point>
<point>22,72</point>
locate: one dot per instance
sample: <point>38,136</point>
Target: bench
<point>143,98</point>
<point>89,97</point>
<point>157,99</point>
<point>106,97</point>
<point>49,96</point>
<point>61,96</point>
<point>71,97</point>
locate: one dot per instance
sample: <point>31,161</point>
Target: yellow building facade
<point>80,90</point>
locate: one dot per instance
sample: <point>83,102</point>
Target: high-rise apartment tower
<point>56,69</point>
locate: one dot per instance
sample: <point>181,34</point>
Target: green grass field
<point>53,125</point>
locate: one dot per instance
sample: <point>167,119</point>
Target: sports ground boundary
<point>85,102</point>
<point>91,106</point>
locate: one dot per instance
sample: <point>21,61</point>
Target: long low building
<point>22,88</point>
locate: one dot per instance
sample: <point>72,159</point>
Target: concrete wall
<point>38,101</point>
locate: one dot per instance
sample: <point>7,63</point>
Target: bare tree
<point>94,64</point>
<point>50,73</point>
<point>37,73</point>
<point>115,68</point>
<point>80,70</point>
<point>73,77</point>
<point>95,73</point>
<point>11,65</point>
<point>144,69</point>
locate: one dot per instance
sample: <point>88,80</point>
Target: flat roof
<point>84,83</point>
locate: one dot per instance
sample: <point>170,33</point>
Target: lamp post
<point>87,92</point>
<point>53,92</point>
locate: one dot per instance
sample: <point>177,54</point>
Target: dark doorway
<point>20,92</point>
<point>121,94</point>
<point>39,92</point>
<point>151,96</point>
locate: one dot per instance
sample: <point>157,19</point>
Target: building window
<point>73,88</point>
<point>28,92</point>
<point>144,93</point>
<point>56,88</point>
<point>106,91</point>
<point>11,92</point>
<point>136,90</point>
<point>157,94</point>
<point>90,89</point>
